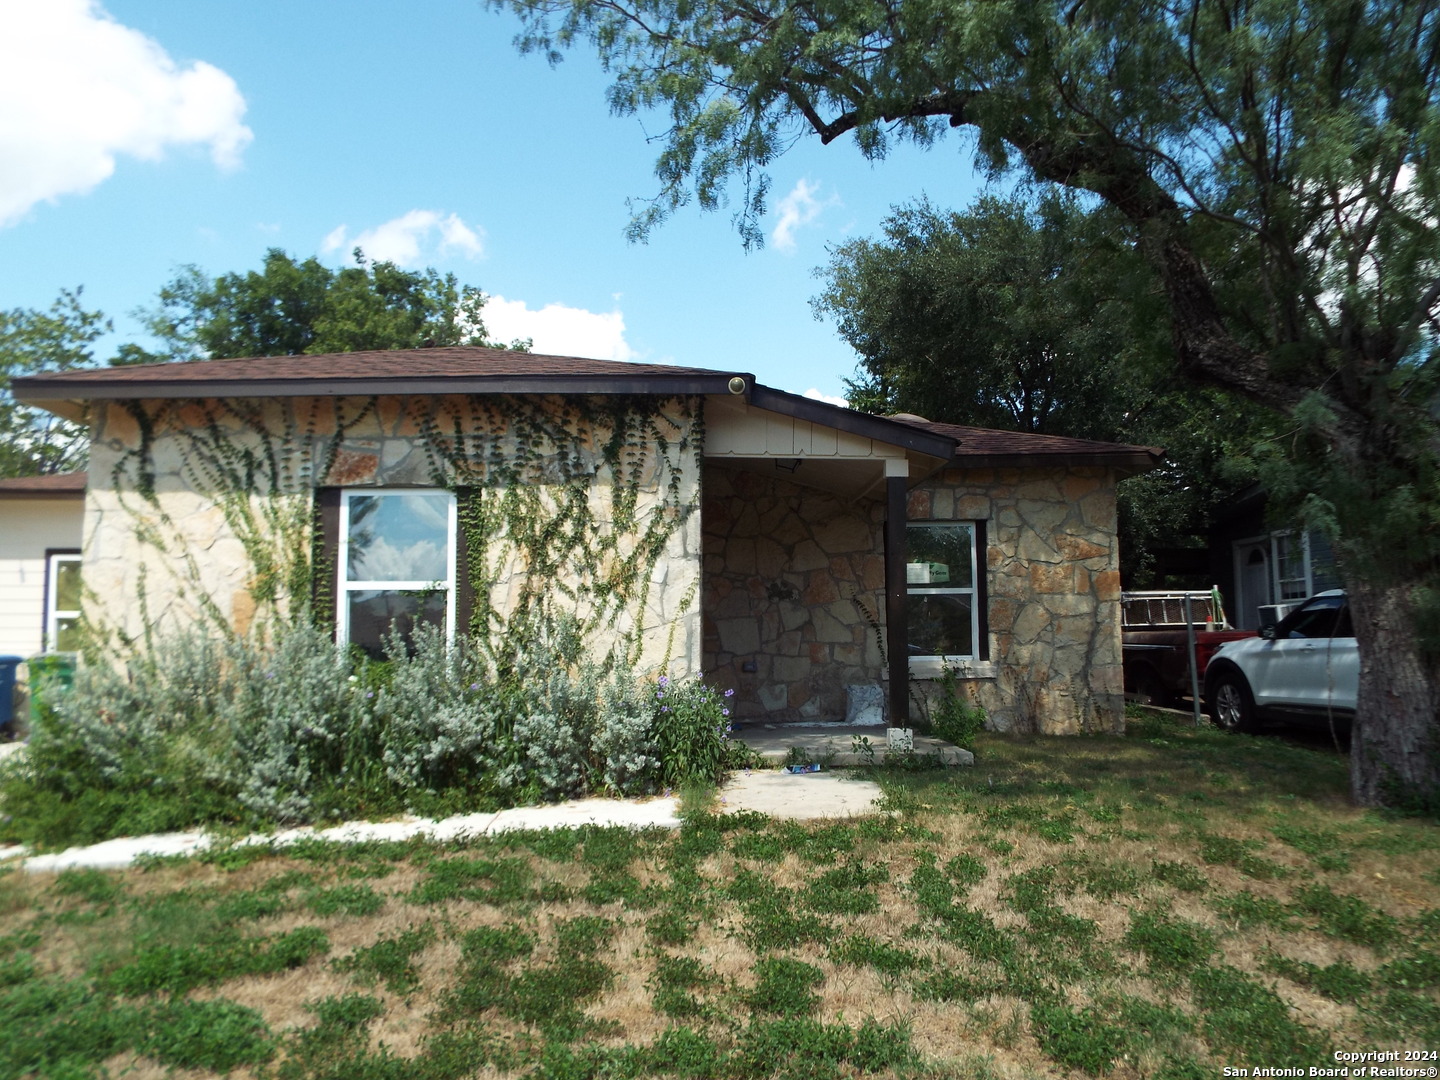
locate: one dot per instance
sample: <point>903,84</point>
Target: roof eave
<point>1124,462</point>
<point>50,392</point>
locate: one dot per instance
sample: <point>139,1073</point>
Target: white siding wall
<point>28,528</point>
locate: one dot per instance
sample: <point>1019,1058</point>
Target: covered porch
<point>803,547</point>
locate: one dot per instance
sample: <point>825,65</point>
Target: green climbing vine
<point>569,507</point>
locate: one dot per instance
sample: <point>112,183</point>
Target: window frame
<point>344,586</point>
<point>51,616</point>
<point>979,624</point>
<point>1280,554</point>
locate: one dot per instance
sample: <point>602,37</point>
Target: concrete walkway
<point>804,796</point>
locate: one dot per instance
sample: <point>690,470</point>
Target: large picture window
<point>942,601</point>
<point>396,565</point>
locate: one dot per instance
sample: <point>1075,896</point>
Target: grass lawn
<point>1163,904</point>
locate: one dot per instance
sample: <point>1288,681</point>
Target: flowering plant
<point>692,730</point>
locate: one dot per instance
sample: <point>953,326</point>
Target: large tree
<point>290,307</point>
<point>1039,315</point>
<point>34,442</point>
<point>1275,157</point>
<point>1007,315</point>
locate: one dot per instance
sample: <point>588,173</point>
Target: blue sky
<point>141,135</point>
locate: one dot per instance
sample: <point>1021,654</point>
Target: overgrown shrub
<point>692,730</point>
<point>296,729</point>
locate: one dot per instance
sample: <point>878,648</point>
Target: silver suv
<point>1305,667</point>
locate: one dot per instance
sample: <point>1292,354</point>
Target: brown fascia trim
<point>50,496</point>
<point>48,392</point>
<point>1125,462</point>
<point>890,432</point>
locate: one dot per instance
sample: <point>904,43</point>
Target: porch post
<point>897,475</point>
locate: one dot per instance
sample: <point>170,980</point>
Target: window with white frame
<point>1292,566</point>
<point>396,565</point>
<point>942,605</point>
<point>62,602</point>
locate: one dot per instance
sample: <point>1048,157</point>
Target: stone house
<point>691,520</point>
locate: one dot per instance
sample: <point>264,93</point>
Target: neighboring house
<point>1263,571</point>
<point>691,520</point>
<point>40,533</point>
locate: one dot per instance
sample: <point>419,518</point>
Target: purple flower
<point>664,680</point>
<point>729,693</point>
<point>474,686</point>
<point>659,695</point>
<point>370,693</point>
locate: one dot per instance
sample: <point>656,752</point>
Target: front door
<point>1253,565</point>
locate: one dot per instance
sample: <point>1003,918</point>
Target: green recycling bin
<point>50,673</point>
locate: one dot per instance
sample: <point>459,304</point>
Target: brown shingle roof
<point>57,484</point>
<point>988,446</point>
<point>450,370</point>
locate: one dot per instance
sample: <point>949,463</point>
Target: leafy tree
<point>34,442</point>
<point>1003,316</point>
<point>1039,318</point>
<point>291,307</point>
<point>1274,157</point>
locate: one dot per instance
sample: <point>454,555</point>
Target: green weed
<point>846,890</point>
<point>1251,1020</point>
<point>1178,875</point>
<point>490,881</point>
<point>1169,944</point>
<point>1247,909</point>
<point>217,1035</point>
<point>1078,1039</point>
<point>1339,981</point>
<point>785,987</point>
<point>1346,917</point>
<point>389,960</point>
<point>1228,851</point>
<point>354,900</point>
<point>673,982</point>
<point>178,969</point>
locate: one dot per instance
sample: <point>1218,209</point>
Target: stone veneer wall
<point>1054,594</point>
<point>169,543</point>
<point>786,565</point>
<point>790,573</point>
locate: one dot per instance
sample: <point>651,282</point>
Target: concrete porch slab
<point>835,744</point>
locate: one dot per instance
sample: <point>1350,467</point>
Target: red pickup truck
<point>1154,640</point>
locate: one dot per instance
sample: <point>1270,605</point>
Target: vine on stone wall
<point>552,494</point>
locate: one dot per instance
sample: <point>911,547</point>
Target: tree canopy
<point>290,307</point>
<point>1274,159</point>
<point>1005,316</point>
<point>34,442</point>
<point>1040,316</point>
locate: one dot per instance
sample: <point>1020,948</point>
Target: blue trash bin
<point>8,664</point>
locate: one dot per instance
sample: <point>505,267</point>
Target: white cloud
<point>559,330</point>
<point>407,239</point>
<point>829,399</point>
<point>797,209</point>
<point>77,89</point>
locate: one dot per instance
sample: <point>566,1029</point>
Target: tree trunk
<point>1394,753</point>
